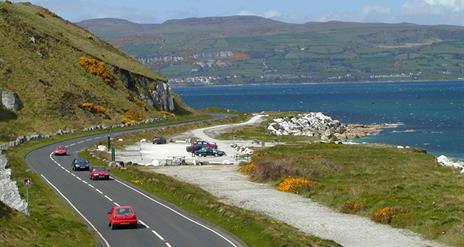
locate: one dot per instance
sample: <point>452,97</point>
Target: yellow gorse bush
<point>131,117</point>
<point>89,106</point>
<point>387,214</point>
<point>248,168</point>
<point>98,68</point>
<point>295,185</point>
<point>351,207</point>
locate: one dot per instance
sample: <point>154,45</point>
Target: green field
<point>282,52</point>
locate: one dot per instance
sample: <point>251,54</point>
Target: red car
<point>60,151</point>
<point>122,216</point>
<point>199,145</point>
<point>99,173</point>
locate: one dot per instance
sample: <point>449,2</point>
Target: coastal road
<point>160,224</point>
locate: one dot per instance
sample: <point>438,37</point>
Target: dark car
<point>99,173</point>
<point>199,145</point>
<point>80,164</point>
<point>209,151</point>
<point>159,140</point>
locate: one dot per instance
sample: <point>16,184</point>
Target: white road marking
<point>115,203</point>
<point>107,197</point>
<point>178,213</point>
<point>168,244</point>
<point>158,235</point>
<point>91,186</point>
<point>78,178</point>
<point>143,223</point>
<point>99,191</point>
<point>77,210</point>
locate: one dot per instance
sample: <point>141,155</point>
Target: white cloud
<point>246,12</point>
<point>368,13</point>
<point>272,14</point>
<point>455,5</point>
<point>434,11</point>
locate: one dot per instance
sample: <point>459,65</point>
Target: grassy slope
<point>379,177</point>
<point>53,84</point>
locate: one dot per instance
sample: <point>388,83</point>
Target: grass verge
<point>52,222</point>
<point>401,187</point>
<point>253,228</point>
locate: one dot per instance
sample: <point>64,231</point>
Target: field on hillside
<point>271,51</point>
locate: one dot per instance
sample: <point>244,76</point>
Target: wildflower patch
<point>387,214</point>
<point>98,68</point>
<point>248,168</point>
<point>295,185</point>
<point>94,108</point>
<point>351,207</point>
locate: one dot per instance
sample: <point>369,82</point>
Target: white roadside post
<point>27,184</point>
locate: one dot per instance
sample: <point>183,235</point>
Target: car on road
<point>122,216</point>
<point>199,145</point>
<point>80,164</point>
<point>99,173</point>
<point>209,151</point>
<point>159,140</point>
<point>61,150</point>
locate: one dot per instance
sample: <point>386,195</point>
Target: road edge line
<point>77,210</point>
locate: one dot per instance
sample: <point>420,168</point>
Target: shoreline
<point>313,83</point>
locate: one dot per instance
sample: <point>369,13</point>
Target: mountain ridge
<point>241,50</point>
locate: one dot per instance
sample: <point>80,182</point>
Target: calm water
<point>432,113</point>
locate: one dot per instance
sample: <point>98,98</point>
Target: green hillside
<point>66,77</point>
<point>246,49</point>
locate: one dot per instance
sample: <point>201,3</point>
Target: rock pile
<point>319,125</point>
<point>9,193</point>
<point>444,161</point>
<point>308,124</point>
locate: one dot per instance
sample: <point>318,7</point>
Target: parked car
<point>159,140</point>
<point>80,164</point>
<point>99,173</point>
<point>209,151</point>
<point>199,145</point>
<point>122,216</point>
<point>61,150</point>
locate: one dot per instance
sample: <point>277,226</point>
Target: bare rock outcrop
<point>10,100</point>
<point>9,193</point>
<point>319,125</point>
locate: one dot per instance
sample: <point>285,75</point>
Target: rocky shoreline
<point>316,124</point>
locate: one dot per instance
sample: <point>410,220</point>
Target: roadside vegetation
<point>51,218</point>
<point>253,228</point>
<point>51,221</point>
<point>401,187</point>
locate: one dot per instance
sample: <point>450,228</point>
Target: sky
<point>293,11</point>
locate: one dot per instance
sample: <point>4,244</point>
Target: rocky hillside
<point>250,49</point>
<point>56,75</point>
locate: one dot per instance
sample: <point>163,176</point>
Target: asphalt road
<point>160,224</point>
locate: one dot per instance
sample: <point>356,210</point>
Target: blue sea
<point>431,114</point>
